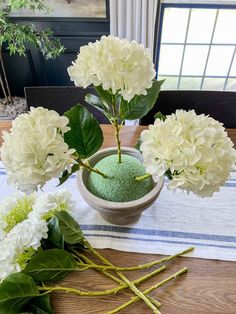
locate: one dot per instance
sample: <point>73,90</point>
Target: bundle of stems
<point>84,263</point>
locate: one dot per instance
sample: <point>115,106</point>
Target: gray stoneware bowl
<point>118,213</point>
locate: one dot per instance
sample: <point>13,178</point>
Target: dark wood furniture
<point>60,98</point>
<point>209,286</point>
<point>218,104</point>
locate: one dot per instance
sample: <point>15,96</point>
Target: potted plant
<point>15,38</point>
<point>192,150</point>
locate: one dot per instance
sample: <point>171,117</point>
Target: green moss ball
<point>120,185</point>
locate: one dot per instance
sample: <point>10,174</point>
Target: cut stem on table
<point>131,268</point>
<point>160,284</point>
<point>124,278</point>
<point>121,282</point>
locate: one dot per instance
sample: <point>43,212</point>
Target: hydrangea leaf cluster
<point>194,150</point>
<point>122,74</point>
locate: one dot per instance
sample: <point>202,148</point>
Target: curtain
<point>134,20</point>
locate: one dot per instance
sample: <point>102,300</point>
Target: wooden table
<point>208,288</point>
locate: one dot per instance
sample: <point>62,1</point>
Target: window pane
<point>219,60</point>
<point>233,68</point>
<point>170,82</point>
<point>203,60</point>
<point>201,26</point>
<point>225,27</point>
<point>174,25</point>
<point>170,59</point>
<point>190,83</point>
<point>231,85</point>
<point>213,83</point>
<point>194,60</point>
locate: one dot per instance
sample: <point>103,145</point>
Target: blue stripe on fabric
<point>230,184</point>
<point>163,241</point>
<point>160,233</point>
<point>2,172</point>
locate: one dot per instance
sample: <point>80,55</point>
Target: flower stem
<point>132,268</point>
<point>122,284</point>
<point>89,261</point>
<point>77,291</point>
<point>87,166</point>
<point>143,177</point>
<point>160,284</point>
<point>115,123</point>
<point>103,292</point>
<point>131,285</point>
<point>118,142</point>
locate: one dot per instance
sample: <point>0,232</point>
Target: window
<point>197,47</point>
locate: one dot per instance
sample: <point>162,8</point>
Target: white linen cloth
<point>175,221</point>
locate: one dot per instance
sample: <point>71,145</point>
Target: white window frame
<point>191,5</point>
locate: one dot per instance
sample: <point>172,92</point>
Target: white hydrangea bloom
<point>52,202</point>
<point>13,204</point>
<point>34,150</point>
<point>194,149</point>
<point>117,64</point>
<point>6,206</point>
<point>23,237</point>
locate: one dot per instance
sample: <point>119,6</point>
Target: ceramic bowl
<point>118,213</point>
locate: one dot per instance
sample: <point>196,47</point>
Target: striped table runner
<point>176,221</point>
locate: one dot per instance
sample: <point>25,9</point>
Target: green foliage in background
<point>17,37</point>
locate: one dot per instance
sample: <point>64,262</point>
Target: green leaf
<point>106,95</point>
<point>99,104</point>
<point>54,233</point>
<point>138,144</point>
<point>66,174</point>
<point>50,265</point>
<point>139,106</point>
<point>85,135</point>
<point>39,305</point>
<point>160,116</point>
<point>15,291</point>
<point>169,174</point>
<point>70,228</point>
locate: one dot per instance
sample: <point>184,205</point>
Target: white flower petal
<point>195,149</point>
<point>116,64</point>
<point>34,150</point>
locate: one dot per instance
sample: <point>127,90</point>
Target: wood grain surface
<point>208,288</point>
